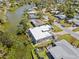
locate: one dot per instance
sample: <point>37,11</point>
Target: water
<point>15,17</point>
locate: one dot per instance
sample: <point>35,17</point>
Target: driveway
<point>75,35</point>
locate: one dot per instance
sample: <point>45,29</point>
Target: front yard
<point>67,37</point>
<point>70,39</point>
<point>44,43</point>
<point>62,22</point>
<point>51,17</point>
<point>40,53</point>
<point>56,28</point>
<point>75,30</point>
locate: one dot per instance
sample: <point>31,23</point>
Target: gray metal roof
<point>63,50</point>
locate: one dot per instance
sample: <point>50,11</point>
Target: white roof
<point>46,17</point>
<point>76,21</point>
<point>64,50</point>
<point>32,12</point>
<point>1,0</point>
<point>40,32</point>
<point>61,16</point>
<point>53,11</point>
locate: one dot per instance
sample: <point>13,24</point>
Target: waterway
<point>15,17</point>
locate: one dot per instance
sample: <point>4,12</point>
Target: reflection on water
<point>15,17</point>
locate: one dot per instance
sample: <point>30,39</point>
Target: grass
<point>43,44</point>
<point>42,53</point>
<point>56,29</point>
<point>4,26</point>
<point>76,43</point>
<point>30,25</point>
<point>75,30</point>
<point>68,38</point>
<point>13,7</point>
<point>65,24</point>
<point>22,51</point>
<point>34,55</point>
<point>27,50</point>
<point>51,16</point>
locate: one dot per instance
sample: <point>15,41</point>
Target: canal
<point>15,17</point>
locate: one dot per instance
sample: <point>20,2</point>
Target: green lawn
<point>13,8</point>
<point>65,24</point>
<point>34,55</point>
<point>51,16</point>
<point>56,28</point>
<point>68,38</point>
<point>44,43</point>
<point>30,25</point>
<point>42,53</point>
<point>75,30</point>
<point>4,26</point>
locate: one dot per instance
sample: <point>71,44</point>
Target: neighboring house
<point>55,12</point>
<point>37,22</point>
<point>1,2</point>
<point>60,17</point>
<point>63,50</point>
<point>40,33</point>
<point>46,18</point>
<point>33,14</point>
<point>76,16</point>
<point>60,1</point>
<point>75,21</point>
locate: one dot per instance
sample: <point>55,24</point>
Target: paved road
<point>75,35</point>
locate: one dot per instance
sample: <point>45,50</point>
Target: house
<point>74,20</point>
<point>63,50</point>
<point>1,0</point>
<point>61,17</point>
<point>37,22</point>
<point>46,18</point>
<point>40,33</point>
<point>60,1</point>
<point>33,14</point>
<point>55,12</point>
<point>76,16</point>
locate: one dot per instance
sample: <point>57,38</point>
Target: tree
<point>21,49</point>
<point>40,14</point>
<point>20,30</point>
<point>62,7</point>
<point>24,24</point>
<point>5,39</point>
<point>70,13</point>
<point>3,51</point>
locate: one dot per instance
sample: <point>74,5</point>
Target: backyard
<point>76,30</point>
<point>70,39</point>
<point>40,53</point>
